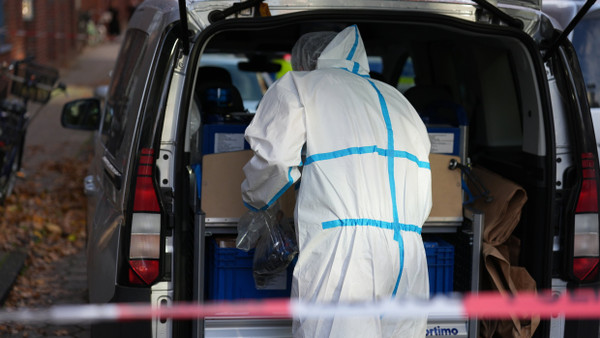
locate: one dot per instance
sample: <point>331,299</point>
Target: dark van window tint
<point>407,77</point>
<point>245,82</point>
<point>124,81</point>
<point>249,83</point>
<point>585,39</point>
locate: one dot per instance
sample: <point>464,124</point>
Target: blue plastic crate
<point>232,138</point>
<point>440,264</point>
<point>230,275</point>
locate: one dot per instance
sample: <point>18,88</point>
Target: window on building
<point>4,45</point>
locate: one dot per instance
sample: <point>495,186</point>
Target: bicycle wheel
<point>10,168</point>
<point>12,140</point>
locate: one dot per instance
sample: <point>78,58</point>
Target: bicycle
<point>26,82</point>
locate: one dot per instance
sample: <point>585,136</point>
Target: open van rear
<point>514,157</point>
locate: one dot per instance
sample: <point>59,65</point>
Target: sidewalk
<point>47,140</point>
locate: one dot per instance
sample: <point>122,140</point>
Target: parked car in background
<point>507,93</point>
<point>251,83</point>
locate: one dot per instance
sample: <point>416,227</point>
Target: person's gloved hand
<point>252,223</point>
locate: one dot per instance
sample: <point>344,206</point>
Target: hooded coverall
<point>365,190</point>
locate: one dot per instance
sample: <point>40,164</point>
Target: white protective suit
<point>365,190</point>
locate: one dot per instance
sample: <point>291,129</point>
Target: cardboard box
<point>222,177</point>
<point>447,189</point>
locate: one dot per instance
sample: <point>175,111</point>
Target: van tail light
<point>586,242</point>
<point>145,242</point>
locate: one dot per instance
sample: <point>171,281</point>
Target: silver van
<point>499,86</point>
<point>585,37</point>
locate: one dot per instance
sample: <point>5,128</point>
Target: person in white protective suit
<point>366,183</point>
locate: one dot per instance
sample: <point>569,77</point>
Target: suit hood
<point>345,51</point>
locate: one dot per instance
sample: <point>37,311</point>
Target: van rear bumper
<point>579,327</point>
<point>138,328</point>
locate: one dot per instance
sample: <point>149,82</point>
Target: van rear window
<point>585,39</point>
<point>118,105</point>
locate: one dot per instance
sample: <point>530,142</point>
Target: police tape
<point>491,305</point>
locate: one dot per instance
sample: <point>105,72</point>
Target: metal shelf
<point>472,224</point>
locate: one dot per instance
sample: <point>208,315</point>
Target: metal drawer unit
<point>472,226</point>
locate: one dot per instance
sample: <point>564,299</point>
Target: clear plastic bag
<point>274,241</point>
<point>275,250</point>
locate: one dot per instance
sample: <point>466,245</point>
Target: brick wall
<point>51,36</point>
<point>55,35</point>
<point>13,24</point>
<point>95,8</point>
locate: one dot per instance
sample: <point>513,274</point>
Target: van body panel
<point>104,246</point>
<point>525,114</point>
<point>527,13</point>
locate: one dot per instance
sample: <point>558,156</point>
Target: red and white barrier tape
<point>582,305</point>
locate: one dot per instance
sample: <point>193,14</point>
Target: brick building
<point>52,31</point>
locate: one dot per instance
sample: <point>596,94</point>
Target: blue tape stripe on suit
<point>366,150</point>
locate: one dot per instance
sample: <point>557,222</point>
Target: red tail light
<point>588,197</point>
<point>143,271</point>
<point>145,241</point>
<point>145,196</point>
<point>586,268</point>
<point>586,241</point>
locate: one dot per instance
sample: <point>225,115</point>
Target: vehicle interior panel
<point>488,77</point>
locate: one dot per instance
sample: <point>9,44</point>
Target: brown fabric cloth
<point>503,276</point>
<point>500,252</point>
<point>503,213</point>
